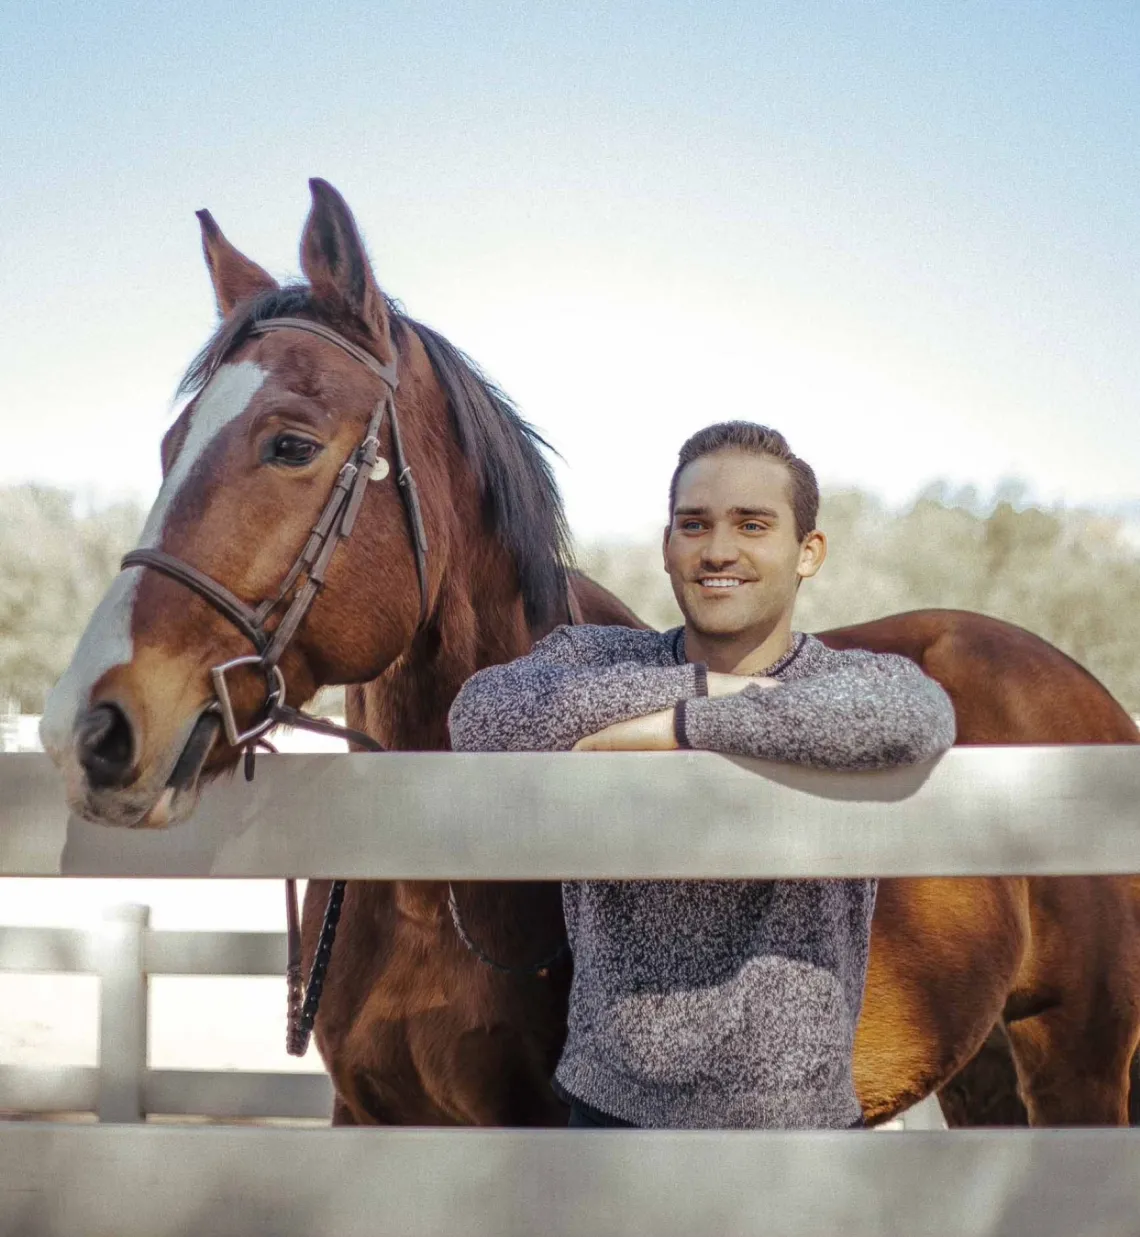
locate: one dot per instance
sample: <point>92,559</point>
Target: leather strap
<point>387,372</point>
<point>407,484</point>
<point>295,988</point>
<point>287,715</point>
<point>243,616</point>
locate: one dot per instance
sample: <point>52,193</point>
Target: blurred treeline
<point>55,564</point>
<point>1070,575</point>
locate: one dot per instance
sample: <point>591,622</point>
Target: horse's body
<point>413,1027</point>
<point>1055,961</point>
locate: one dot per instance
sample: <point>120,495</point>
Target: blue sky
<point>908,234</point>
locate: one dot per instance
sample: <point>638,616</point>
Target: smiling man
<point>716,1003</point>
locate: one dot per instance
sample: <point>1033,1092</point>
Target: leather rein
<point>334,525</point>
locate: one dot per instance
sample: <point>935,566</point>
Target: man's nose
<point>720,550</point>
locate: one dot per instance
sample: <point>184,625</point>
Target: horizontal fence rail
<point>169,1182</point>
<point>976,811</point>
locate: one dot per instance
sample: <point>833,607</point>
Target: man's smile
<point>721,583</point>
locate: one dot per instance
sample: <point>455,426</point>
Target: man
<point>716,1003</point>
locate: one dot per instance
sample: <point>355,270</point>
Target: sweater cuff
<point>700,688</point>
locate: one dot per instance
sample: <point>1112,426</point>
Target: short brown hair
<point>759,440</point>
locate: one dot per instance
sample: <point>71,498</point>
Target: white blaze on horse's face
<point>227,395</point>
<point>107,641</point>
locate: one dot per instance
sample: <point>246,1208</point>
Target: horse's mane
<point>521,503</point>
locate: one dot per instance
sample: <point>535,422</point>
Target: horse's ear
<point>234,276</point>
<point>336,266</point>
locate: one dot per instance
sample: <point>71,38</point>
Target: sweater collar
<point>799,641</point>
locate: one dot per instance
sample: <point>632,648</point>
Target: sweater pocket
<point>777,1025</point>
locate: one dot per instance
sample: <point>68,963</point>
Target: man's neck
<point>746,653</point>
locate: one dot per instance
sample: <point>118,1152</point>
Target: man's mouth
<point>721,583</point>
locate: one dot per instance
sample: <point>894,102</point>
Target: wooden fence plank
<point>43,1089</point>
<point>159,1181</point>
<point>53,950</point>
<point>212,953</point>
<point>977,811</point>
<point>236,1093</point>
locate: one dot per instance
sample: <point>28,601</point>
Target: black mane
<point>521,503</point>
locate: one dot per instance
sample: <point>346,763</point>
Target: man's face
<point>731,549</point>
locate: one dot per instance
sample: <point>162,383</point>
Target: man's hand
<point>651,733</point>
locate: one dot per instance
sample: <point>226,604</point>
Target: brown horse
<point>414,1028</point>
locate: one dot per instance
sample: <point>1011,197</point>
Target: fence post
<point>122,1013</point>
<point>9,725</point>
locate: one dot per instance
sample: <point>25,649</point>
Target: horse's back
<point>1008,685</point>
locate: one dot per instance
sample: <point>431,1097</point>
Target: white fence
<point>124,954</point>
<point>19,732</point>
<point>979,811</point>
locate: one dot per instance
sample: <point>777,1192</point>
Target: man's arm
<point>872,711</point>
<point>575,682</point>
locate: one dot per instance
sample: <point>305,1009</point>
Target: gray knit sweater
<point>713,1003</point>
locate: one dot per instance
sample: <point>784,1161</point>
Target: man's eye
<point>753,526</point>
<point>691,526</point>
<point>292,450</point>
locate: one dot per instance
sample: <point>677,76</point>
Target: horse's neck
<point>406,710</point>
<point>406,707</point>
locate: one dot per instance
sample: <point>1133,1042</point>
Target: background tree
<point>1069,575</point>
<point>55,564</point>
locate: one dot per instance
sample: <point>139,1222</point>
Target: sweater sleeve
<point>575,682</point>
<point>872,711</point>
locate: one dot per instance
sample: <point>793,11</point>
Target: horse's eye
<point>292,450</point>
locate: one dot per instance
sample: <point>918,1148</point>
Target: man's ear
<point>337,267</point>
<point>665,547</point>
<point>813,550</point>
<point>234,276</point>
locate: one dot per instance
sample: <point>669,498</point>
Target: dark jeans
<point>585,1117</point>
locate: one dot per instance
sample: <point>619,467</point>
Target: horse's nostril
<point>106,746</point>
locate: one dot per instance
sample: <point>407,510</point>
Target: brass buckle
<point>274,681</point>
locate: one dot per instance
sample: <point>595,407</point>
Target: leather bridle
<point>334,525</point>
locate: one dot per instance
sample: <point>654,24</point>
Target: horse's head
<point>280,417</point>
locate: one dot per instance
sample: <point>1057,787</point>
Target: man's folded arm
<point>575,682</point>
<point>873,711</point>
